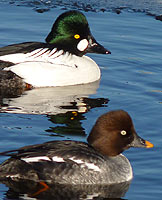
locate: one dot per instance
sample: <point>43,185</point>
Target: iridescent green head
<point>71,33</point>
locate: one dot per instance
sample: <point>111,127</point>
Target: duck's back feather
<point>24,47</point>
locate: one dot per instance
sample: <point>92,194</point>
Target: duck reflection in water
<point>64,106</point>
<point>36,191</point>
<point>52,100</point>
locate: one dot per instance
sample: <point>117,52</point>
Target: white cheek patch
<point>36,159</point>
<point>82,45</point>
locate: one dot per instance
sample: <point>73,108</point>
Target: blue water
<point>131,80</point>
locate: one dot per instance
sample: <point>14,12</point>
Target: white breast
<point>42,68</point>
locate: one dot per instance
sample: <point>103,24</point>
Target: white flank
<point>86,164</point>
<point>14,58</point>
<point>13,176</point>
<point>82,45</point>
<point>26,197</point>
<point>53,52</point>
<point>38,52</point>
<point>57,159</point>
<point>78,161</point>
<point>92,196</point>
<point>93,166</point>
<point>38,55</point>
<point>36,159</point>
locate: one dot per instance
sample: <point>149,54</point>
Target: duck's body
<point>58,62</point>
<point>67,162</point>
<point>72,162</point>
<point>44,67</point>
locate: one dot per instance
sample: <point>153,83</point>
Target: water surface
<point>131,80</point>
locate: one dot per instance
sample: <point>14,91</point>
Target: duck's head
<point>114,132</point>
<point>71,33</point>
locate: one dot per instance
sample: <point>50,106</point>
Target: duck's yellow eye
<point>76,36</point>
<point>123,132</point>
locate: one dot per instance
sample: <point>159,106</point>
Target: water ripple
<point>151,7</point>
